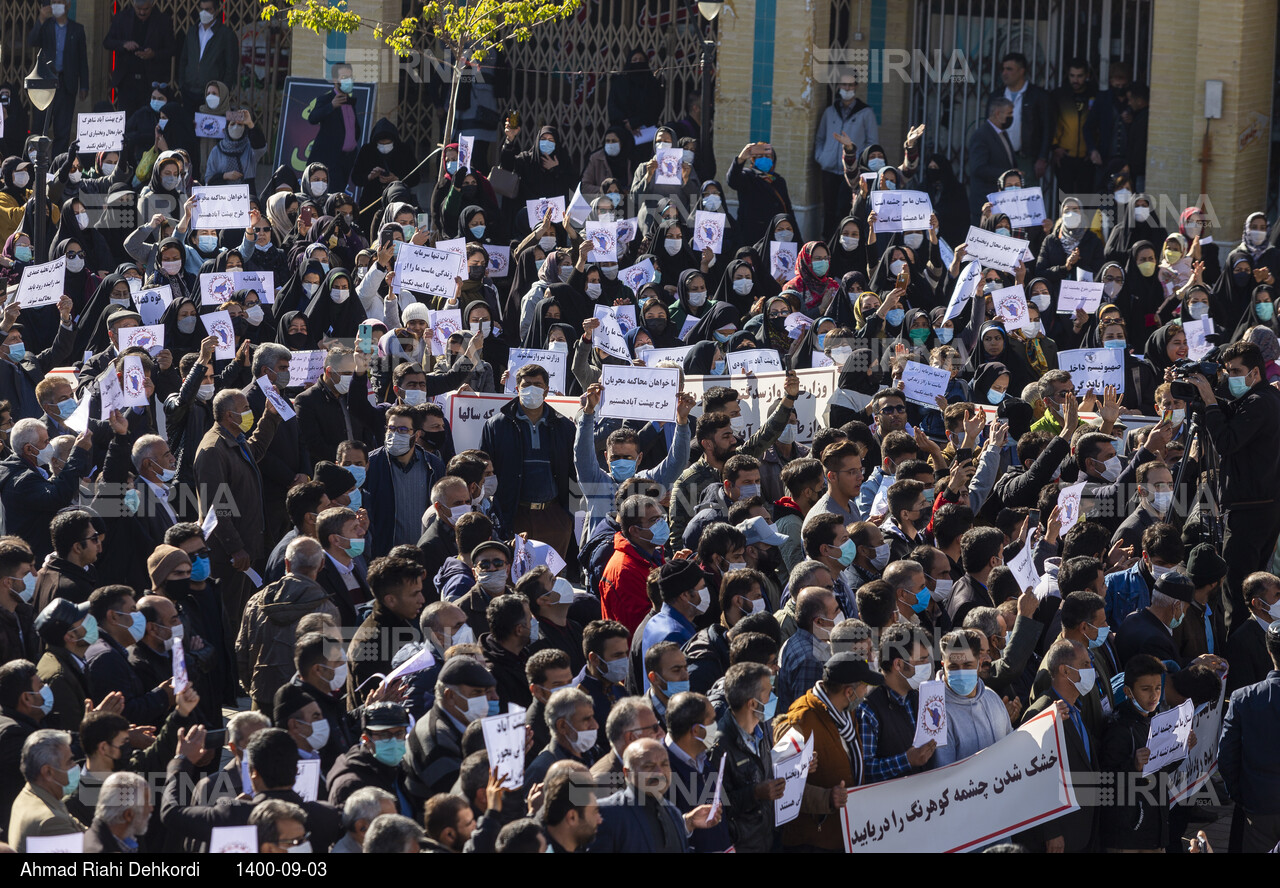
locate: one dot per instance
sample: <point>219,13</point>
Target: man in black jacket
<point>396,585</point>
<point>288,460</point>
<point>506,647</point>
<point>107,668</point>
<point>1246,648</point>
<point>64,57</point>
<point>1244,432</point>
<point>1031,132</point>
<point>336,143</point>
<point>990,153</point>
<point>435,746</point>
<point>141,42</point>
<point>375,760</point>
<point>1040,457</point>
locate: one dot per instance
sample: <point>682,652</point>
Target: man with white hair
<point>571,719</point>
<point>29,496</point>
<point>264,645</point>
<point>361,809</point>
<point>122,815</point>
<point>50,773</point>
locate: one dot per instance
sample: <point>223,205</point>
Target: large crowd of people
<point>255,578</point>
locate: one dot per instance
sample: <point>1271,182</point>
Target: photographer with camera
<point>1245,432</point>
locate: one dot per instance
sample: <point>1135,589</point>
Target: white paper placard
<point>966,286</point>
<point>756,360</point>
<point>625,315</point>
<point>1074,295</point>
<point>218,324</point>
<point>608,336</point>
<point>555,363</point>
<point>669,161</point>
<point>923,384</point>
<point>1023,206</point>
<point>456,246</point>
<point>102,131</point>
<point>653,355</point>
<point>1023,564</point>
<point>994,250</point>
<point>150,337</point>
<point>795,771</point>
<point>152,303</point>
<point>627,230</point>
<point>220,206</point>
<point>444,323</point>
<point>537,208</point>
<point>931,714</point>
<point>233,839</point>
<point>307,783</point>
<point>708,231</point>
<point>1069,506</point>
<point>499,260</point>
<point>42,284</point>
<point>529,554</point>
<point>1010,304</point>
<point>428,270</point>
<point>68,843</point>
<point>603,237</point>
<point>283,407</point>
<point>648,393</point>
<point>1092,369</point>
<point>210,523</point>
<point>504,741</point>
<point>1198,345</point>
<point>782,259</point>
<point>261,282</point>
<point>133,382</point>
<point>423,659</point>
<point>689,323</point>
<point>305,367</point>
<point>901,210</point>
<point>466,148</point>
<point>637,275</point>
<point>1168,735</point>
<point>217,287</point>
<point>181,679</point>
<point>210,126</point>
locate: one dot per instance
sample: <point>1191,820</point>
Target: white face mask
<point>255,314</point>
<point>1071,219</point>
<point>108,168</point>
<point>849,243</point>
<point>21,179</point>
<point>339,296</point>
<point>920,674</point>
<point>896,266</point>
<point>785,235</point>
<point>75,265</point>
<point>881,558</point>
<point>82,219</point>
<point>742,286</point>
<point>713,202</point>
<point>941,591</point>
<point>585,740</point>
<point>594,290</point>
<point>319,188</point>
<point>385,147</point>
<point>697,300</point>
<point>477,707</point>
<point>913,240</point>
<point>213,100</point>
<point>1142,214</point>
<point>672,245</point>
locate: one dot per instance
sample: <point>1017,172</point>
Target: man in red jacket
<point>637,549</point>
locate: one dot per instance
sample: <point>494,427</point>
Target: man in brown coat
<point>227,479</point>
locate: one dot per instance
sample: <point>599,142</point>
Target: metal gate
<point>561,75</point>
<point>1048,32</point>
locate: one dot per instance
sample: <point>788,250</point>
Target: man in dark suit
<point>287,461</point>
<point>980,552</point>
<point>141,40</point>
<point>990,153</point>
<point>1031,132</point>
<point>336,143</point>
<point>64,57</point>
<point>29,498</point>
<point>1247,645</point>
<point>638,818</point>
<point>1249,770</point>
<point>1073,675</point>
<point>211,51</point>
<point>1150,630</point>
<point>343,575</point>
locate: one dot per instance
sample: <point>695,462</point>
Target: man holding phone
<point>335,113</point>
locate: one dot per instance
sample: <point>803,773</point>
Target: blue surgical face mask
<point>771,708</point>
<point>622,469</point>
<point>718,368</point>
<point>389,751</point>
<point>22,253</point>
<point>156,105</point>
<point>962,681</point>
<point>46,699</point>
<point>893,317</point>
<point>207,243</point>
<point>875,164</point>
<point>451,166</point>
<point>820,267</point>
<point>200,568</point>
<point>546,146</point>
<point>357,472</point>
<point>1237,386</point>
<point>994,397</point>
<point>18,351</point>
<point>822,341</point>
<point>356,500</point>
<point>661,532</point>
<point>676,687</point>
<point>944,334</point>
<point>477,231</point>
<point>922,600</point>
<point>1004,231</point>
<point>764,164</point>
<point>848,552</point>
<point>90,629</point>
<point>1103,632</point>
<point>1114,343</point>
<point>494,708</point>
<point>1265,310</point>
<point>721,338</point>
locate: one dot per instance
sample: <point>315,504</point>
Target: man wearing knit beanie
<point>165,561</point>
<point>1202,631</point>
<point>684,599</point>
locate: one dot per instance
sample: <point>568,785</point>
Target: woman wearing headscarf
<point>1192,225</point>
<point>332,311</point>
<point>1233,293</point>
<point>117,220</point>
<point>545,169</point>
<point>738,286</point>
<point>848,248</point>
<point>815,340</point>
<point>888,178</point>
<point>570,307</point>
<point>949,198</point>
<point>163,193</point>
<point>16,191</point>
<point>762,192</point>
<point>1058,253</point>
<point>588,360</point>
<point>232,160</point>
<point>548,271</point>
<point>720,321</point>
<point>294,331</point>
<point>478,316</point>
<point>168,269</point>
<point>1135,224</point>
<point>1261,312</point>
<point>183,331</point>
<point>635,93</point>
<point>992,383</point>
<point>278,209</point>
<point>859,379</point>
<point>1267,342</point>
<point>1140,379</point>
<point>646,188</point>
<point>79,281</point>
<point>654,316</point>
<point>612,161</point>
<point>769,324</point>
<point>1175,264</point>
<point>1141,296</point>
<point>813,280</point>
<point>1255,242</point>
<point>314,184</point>
<point>704,359</point>
<point>994,345</point>
<point>692,298</point>
<point>464,195</point>
<point>74,222</point>
<point>384,159</point>
<point>711,199</point>
<point>546,314</point>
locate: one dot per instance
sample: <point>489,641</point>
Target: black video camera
<point>1182,390</point>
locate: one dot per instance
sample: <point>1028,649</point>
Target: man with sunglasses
<point>70,573</point>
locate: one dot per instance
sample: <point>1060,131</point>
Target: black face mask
<point>177,588</point>
<point>295,341</point>
<point>240,326</point>
<point>436,440</point>
<point>467,191</point>
<point>475,272</point>
<point>656,326</point>
<point>292,217</point>
<point>778,325</point>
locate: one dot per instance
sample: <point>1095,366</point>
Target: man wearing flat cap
<point>463,694</point>
<point>1150,630</point>
<point>491,564</point>
<point>828,714</point>
<point>67,630</point>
